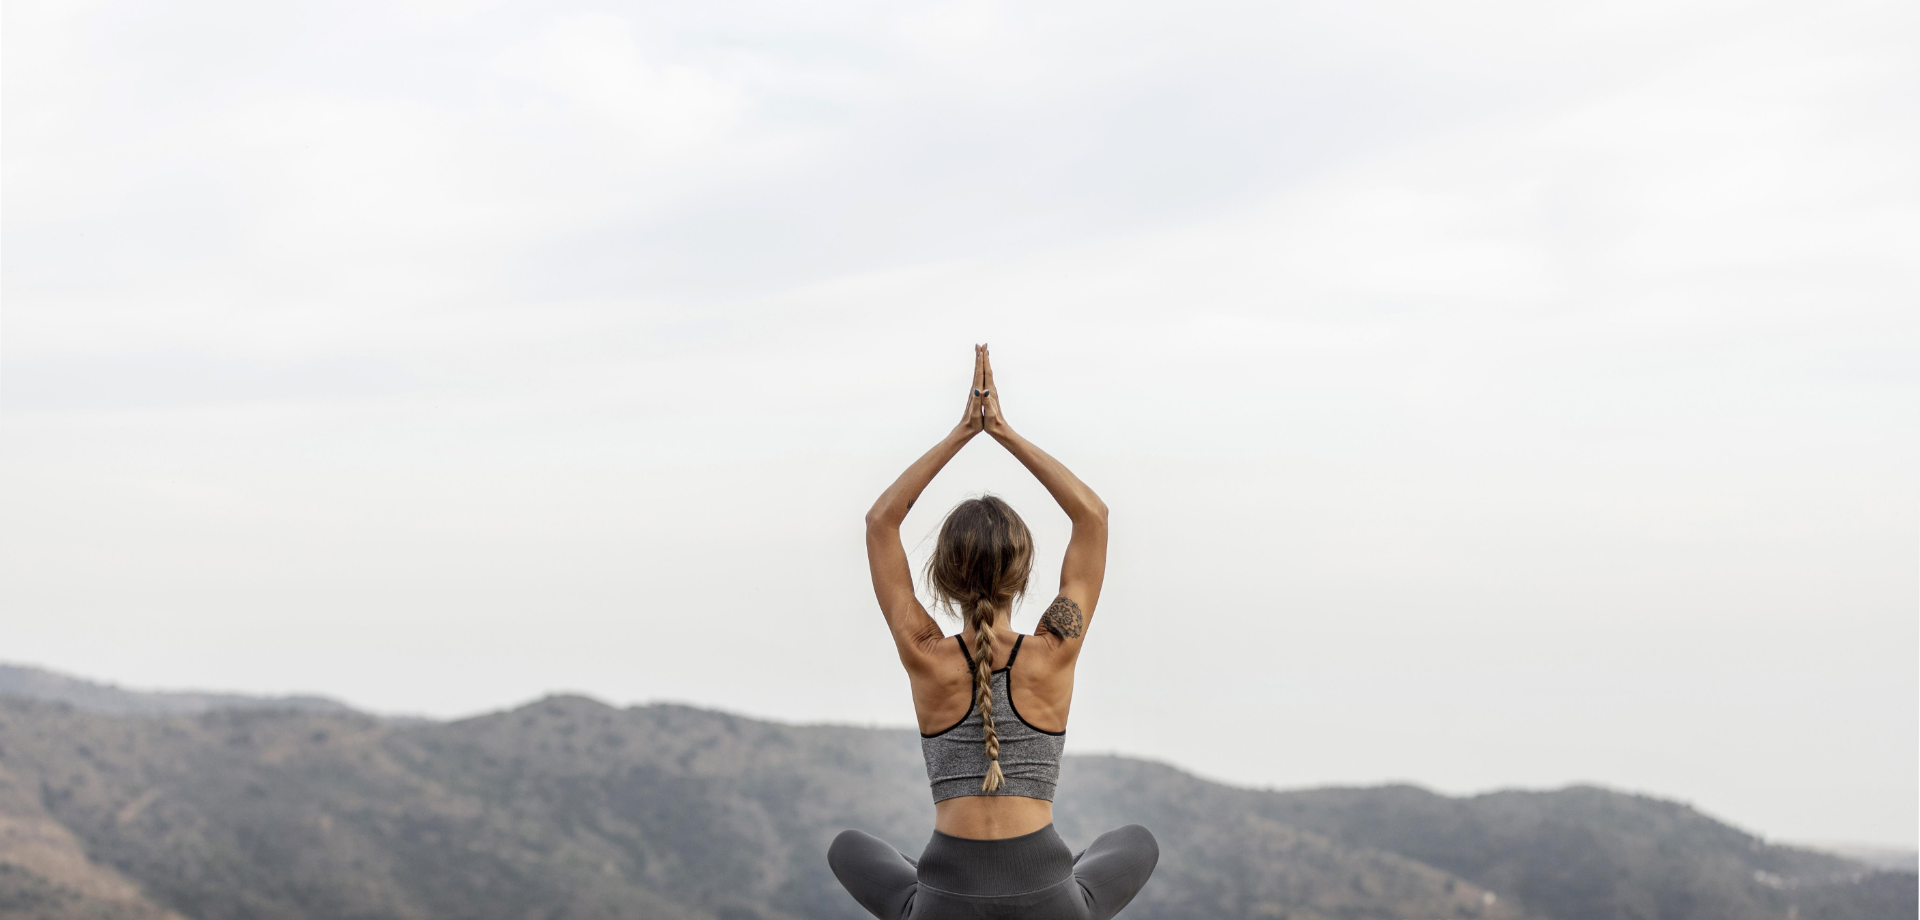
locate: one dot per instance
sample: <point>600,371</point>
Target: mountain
<point>1581,852</point>
<point>1884,858</point>
<point>568,808</point>
<point>34,683</point>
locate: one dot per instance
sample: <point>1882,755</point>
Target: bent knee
<point>1137,838</point>
<point>845,845</point>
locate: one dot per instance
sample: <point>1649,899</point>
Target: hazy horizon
<point>1491,395</point>
<point>1854,847</point>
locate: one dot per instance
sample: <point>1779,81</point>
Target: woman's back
<point>1035,675</point>
<point>1028,756</point>
<point>943,688</point>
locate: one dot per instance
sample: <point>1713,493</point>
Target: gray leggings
<point>1032,877</point>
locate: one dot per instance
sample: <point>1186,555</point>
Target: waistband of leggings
<point>1010,865</point>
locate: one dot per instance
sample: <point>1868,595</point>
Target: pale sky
<point>1488,394</point>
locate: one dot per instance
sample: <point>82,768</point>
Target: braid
<point>977,569</point>
<point>983,689</point>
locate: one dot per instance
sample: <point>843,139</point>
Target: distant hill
<point>38,684</point>
<point>1885,858</point>
<point>568,808</point>
<point>1581,852</point>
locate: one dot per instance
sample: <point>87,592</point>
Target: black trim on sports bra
<point>962,642</point>
<point>1016,706</point>
<point>1017,639</point>
<point>963,721</point>
<point>1008,670</point>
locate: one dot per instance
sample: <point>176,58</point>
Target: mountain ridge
<point>569,807</point>
<point>98,696</point>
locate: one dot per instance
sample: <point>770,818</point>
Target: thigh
<point>1113,868</point>
<point>877,875</point>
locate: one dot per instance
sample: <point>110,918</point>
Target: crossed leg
<point>876,874</point>
<point>1114,867</point>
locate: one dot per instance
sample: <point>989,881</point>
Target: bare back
<point>1041,689</point>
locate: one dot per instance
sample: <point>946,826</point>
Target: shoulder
<point>931,651</point>
<point>1045,656</point>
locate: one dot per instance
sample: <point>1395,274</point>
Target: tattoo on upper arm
<point>1063,618</point>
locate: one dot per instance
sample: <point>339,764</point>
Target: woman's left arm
<point>913,630</point>
<point>1084,567</point>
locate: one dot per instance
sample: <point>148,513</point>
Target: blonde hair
<point>980,565</point>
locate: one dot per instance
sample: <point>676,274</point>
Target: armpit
<point>927,638</point>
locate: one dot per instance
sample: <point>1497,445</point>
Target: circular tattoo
<point>1063,618</point>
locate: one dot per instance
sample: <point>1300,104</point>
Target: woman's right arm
<point>1085,566</point>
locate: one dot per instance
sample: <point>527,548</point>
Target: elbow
<point>878,519</point>
<point>1097,511</point>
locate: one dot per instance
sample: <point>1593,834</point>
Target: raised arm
<point>913,630</point>
<point>1085,565</point>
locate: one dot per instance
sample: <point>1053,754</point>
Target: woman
<point>992,733</point>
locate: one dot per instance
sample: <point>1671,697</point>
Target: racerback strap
<point>962,642</point>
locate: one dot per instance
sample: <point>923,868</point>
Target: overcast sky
<point>1488,394</point>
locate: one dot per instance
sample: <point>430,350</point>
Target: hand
<point>973,419</point>
<point>990,419</point>
<point>983,404</point>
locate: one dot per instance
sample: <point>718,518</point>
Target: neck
<point>1002,619</point>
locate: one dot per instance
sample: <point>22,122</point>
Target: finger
<point>986,363</point>
<point>973,414</point>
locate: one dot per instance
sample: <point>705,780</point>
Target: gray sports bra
<point>1029,757</point>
